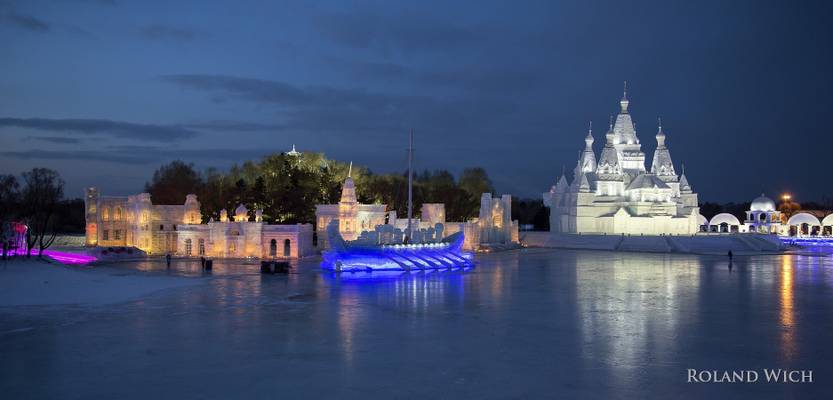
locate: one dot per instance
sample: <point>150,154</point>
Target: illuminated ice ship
<point>411,255</point>
<point>354,257</point>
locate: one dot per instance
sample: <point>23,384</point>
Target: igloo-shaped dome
<point>762,203</point>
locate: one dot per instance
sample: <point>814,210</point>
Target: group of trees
<point>38,203</point>
<point>287,187</point>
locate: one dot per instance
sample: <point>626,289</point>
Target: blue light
<point>399,257</point>
<point>808,241</point>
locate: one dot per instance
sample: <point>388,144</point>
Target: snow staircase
<point>651,244</point>
<point>751,242</point>
<point>675,245</point>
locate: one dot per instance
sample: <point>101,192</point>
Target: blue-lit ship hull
<point>346,257</point>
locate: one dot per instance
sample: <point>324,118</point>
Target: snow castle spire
<point>587,158</point>
<point>627,144</point>
<point>660,134</point>
<point>624,102</point>
<point>609,159</point>
<point>348,190</point>
<point>662,166</point>
<point>589,139</point>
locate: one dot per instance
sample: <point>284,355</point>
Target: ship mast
<point>410,182</point>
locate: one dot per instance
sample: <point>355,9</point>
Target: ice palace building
<point>134,221</point>
<point>616,194</point>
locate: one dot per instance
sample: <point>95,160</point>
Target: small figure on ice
<point>731,256</point>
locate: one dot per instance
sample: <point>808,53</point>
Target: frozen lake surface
<point>524,324</point>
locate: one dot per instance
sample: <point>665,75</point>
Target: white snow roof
<point>647,181</point>
<point>724,218</point>
<point>803,218</point>
<point>828,220</point>
<point>701,220</point>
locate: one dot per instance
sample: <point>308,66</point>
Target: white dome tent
<point>804,224</point>
<point>703,223</point>
<point>724,223</point>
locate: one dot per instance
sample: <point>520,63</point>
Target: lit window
<point>105,235</point>
<point>117,234</point>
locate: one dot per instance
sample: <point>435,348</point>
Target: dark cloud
<point>233,126</point>
<point>125,130</point>
<point>398,32</point>
<point>27,22</point>
<point>257,90</point>
<point>165,32</point>
<point>346,110</point>
<point>77,155</point>
<point>54,139</point>
<point>126,154</point>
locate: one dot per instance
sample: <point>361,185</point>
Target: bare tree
<point>43,190</point>
<point>9,203</point>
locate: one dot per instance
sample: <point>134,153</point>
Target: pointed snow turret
<point>684,186</point>
<point>609,159</point>
<point>627,144</point>
<point>348,190</point>
<point>584,185</point>
<point>561,186</point>
<point>662,166</point>
<point>624,102</point>
<point>588,140</point>
<point>624,128</point>
<point>587,158</point>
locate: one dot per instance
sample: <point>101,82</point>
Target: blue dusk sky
<point>106,91</point>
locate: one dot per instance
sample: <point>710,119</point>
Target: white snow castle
<point>617,195</point>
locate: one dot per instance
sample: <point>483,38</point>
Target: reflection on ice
<point>529,323</point>
<point>788,343</point>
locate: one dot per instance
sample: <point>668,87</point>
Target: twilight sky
<point>106,91</point>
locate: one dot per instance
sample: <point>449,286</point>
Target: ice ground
<point>525,324</point>
<point>25,282</point>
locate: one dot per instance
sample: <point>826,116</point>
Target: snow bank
<point>698,244</point>
<point>37,282</point>
<point>69,241</point>
<point>116,253</point>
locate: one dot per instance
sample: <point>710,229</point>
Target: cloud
<point>166,32</point>
<point>54,139</point>
<point>351,112</point>
<point>142,155</point>
<point>118,129</point>
<point>27,22</point>
<point>238,126</point>
<point>77,155</point>
<point>404,33</point>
